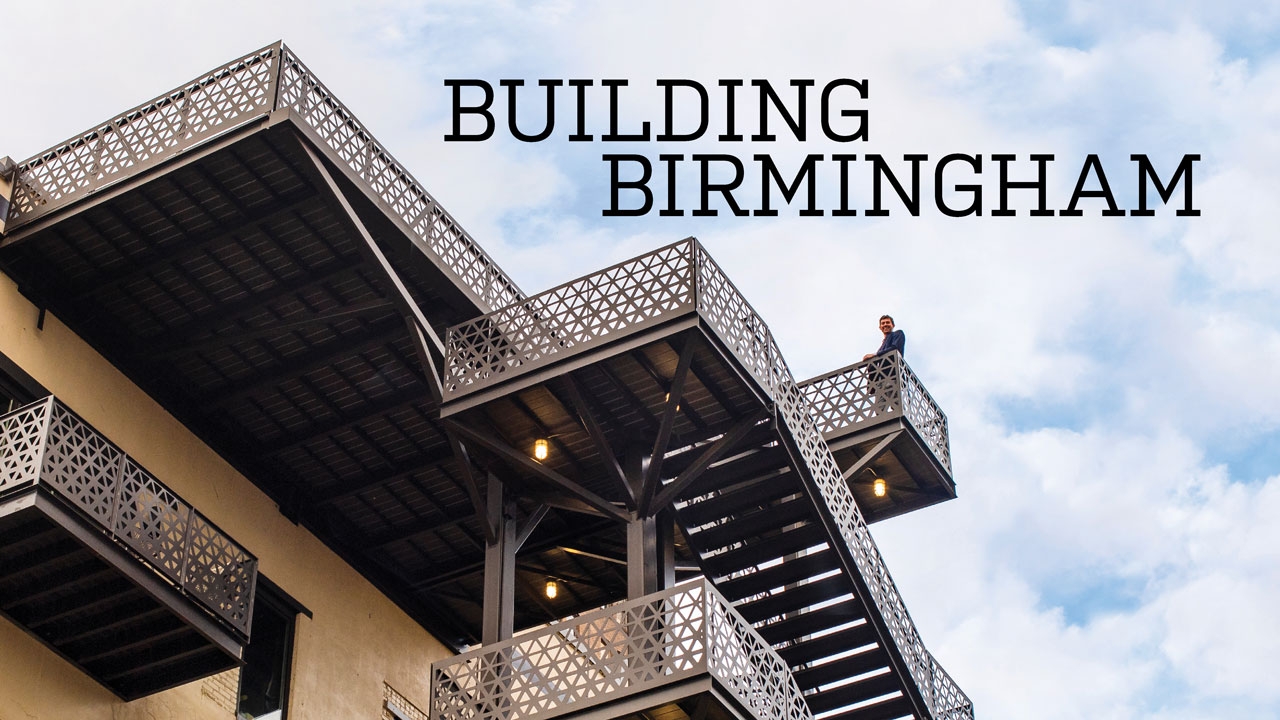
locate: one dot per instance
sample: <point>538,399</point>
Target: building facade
<point>284,441</point>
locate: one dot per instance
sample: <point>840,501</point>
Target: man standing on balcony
<point>893,339</point>
<point>882,382</point>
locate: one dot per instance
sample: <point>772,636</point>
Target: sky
<point>1112,383</point>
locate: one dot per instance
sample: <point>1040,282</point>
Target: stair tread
<point>751,524</point>
<point>887,709</point>
<point>742,467</point>
<point>853,665</point>
<point>855,692</point>
<point>808,622</point>
<point>799,595</point>
<point>763,549</point>
<point>732,500</point>
<point>777,576</point>
<point>825,646</point>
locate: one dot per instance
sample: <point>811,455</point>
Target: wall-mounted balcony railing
<point>648,291</point>
<point>232,96</point>
<point>875,390</point>
<point>45,446</point>
<point>629,650</point>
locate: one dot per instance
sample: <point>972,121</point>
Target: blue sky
<point>1111,383</point>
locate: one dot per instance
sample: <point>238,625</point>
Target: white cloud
<point>1097,564</point>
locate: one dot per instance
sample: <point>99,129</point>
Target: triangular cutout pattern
<point>607,654</point>
<point>591,310</point>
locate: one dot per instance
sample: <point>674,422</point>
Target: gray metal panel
<point>630,649</point>
<point>616,302</point>
<point>875,390</point>
<point>251,88</point>
<point>47,445</point>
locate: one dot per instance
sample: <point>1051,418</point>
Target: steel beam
<point>425,340</point>
<point>519,459</point>
<point>867,459</point>
<point>653,474</point>
<point>588,420</point>
<point>473,488</point>
<point>713,453</point>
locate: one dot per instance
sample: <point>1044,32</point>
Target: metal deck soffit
<point>247,254</point>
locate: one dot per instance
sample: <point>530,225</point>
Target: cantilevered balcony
<point>678,653</point>
<point>661,388</point>
<point>881,423</point>
<point>107,566</point>
<point>246,252</point>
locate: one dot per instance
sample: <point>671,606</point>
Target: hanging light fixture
<point>553,588</point>
<point>540,449</point>
<point>879,487</point>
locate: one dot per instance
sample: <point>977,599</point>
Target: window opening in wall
<point>264,679</point>
<point>17,388</point>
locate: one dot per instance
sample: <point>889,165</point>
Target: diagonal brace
<point>588,420</point>
<point>866,460</point>
<point>519,459</point>
<point>530,524</point>
<point>713,453</point>
<point>424,338</point>
<point>473,488</point>
<point>652,476</point>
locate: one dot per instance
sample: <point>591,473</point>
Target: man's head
<point>886,324</point>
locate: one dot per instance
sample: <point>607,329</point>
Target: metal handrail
<point>234,95</point>
<point>46,444</point>
<point>615,652</point>
<point>644,292</point>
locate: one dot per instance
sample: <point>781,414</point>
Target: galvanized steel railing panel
<point>794,408</point>
<point>241,91</point>
<point>149,133</point>
<point>46,444</point>
<point>949,701</point>
<point>425,220</point>
<point>616,652</point>
<point>602,307</point>
<point>650,289</point>
<point>873,391</point>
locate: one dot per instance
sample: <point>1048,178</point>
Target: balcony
<point>661,357</point>
<point>880,422</point>
<point>661,655</point>
<point>107,566</point>
<point>246,252</point>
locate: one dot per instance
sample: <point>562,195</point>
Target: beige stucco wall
<point>357,639</point>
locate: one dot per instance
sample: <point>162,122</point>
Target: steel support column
<point>499,567</point>
<point>650,544</point>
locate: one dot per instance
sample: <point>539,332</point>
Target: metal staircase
<point>764,545</point>
<point>773,521</point>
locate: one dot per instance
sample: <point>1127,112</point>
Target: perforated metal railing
<point>616,652</point>
<point>948,700</point>
<point>242,91</point>
<point>604,306</point>
<point>661,286</point>
<point>875,390</point>
<point>45,444</point>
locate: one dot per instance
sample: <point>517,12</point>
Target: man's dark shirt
<point>895,340</point>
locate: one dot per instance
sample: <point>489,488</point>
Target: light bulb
<point>879,487</point>
<point>540,449</point>
<point>552,589</point>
